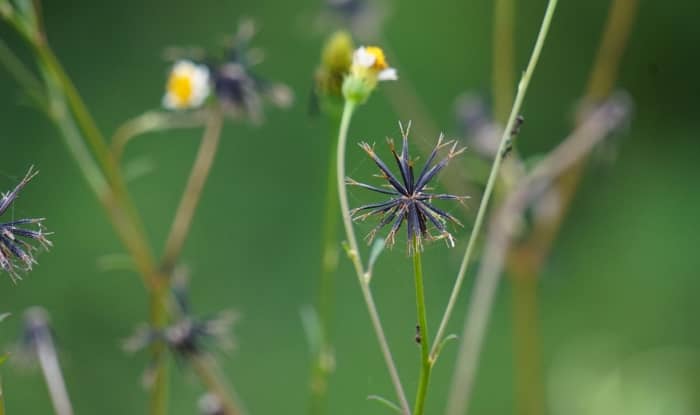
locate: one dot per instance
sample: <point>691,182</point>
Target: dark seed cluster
<point>410,199</point>
<point>16,251</point>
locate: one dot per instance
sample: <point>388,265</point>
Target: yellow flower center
<point>180,86</point>
<point>379,58</point>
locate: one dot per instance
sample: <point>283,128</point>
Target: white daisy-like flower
<point>187,87</point>
<point>372,59</point>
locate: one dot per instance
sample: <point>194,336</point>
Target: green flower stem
<point>152,121</point>
<point>323,363</point>
<point>483,206</point>
<point>193,190</point>
<point>354,255</point>
<point>422,331</point>
<point>121,209</point>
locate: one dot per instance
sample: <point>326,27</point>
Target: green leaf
<point>385,402</point>
<point>377,249</point>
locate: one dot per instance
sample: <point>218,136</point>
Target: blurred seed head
<point>17,253</point>
<point>189,334</point>
<point>410,199</point>
<point>209,404</point>
<point>238,88</point>
<point>475,122</point>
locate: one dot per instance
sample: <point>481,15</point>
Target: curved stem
<point>193,190</point>
<point>354,255</point>
<point>153,121</point>
<point>504,144</point>
<point>422,331</point>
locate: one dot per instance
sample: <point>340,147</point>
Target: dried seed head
<point>409,198</point>
<point>17,254</point>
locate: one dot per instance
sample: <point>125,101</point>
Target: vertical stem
<point>503,64</point>
<point>526,343</point>
<point>193,190</point>
<point>323,363</point>
<point>505,139</point>
<point>354,254</point>
<point>158,391</point>
<point>422,331</point>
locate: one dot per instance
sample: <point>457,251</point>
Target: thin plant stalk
<point>526,336</point>
<point>568,153</point>
<point>206,369</point>
<point>604,73</point>
<point>527,258</point>
<point>106,179</point>
<point>193,190</point>
<point>426,362</point>
<point>363,276</point>
<point>500,155</point>
<point>323,362</point>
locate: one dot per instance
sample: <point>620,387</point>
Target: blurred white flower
<point>187,87</point>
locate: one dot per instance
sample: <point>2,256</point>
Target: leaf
<point>444,342</point>
<point>377,249</point>
<point>312,328</point>
<point>385,402</point>
<point>3,316</point>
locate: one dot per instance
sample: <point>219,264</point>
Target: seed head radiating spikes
<point>16,252</point>
<point>409,200</point>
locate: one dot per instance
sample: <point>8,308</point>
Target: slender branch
<point>119,207</point>
<point>617,30</point>
<point>602,79</point>
<point>598,126</point>
<point>152,121</point>
<point>206,369</point>
<point>193,191</point>
<point>504,144</point>
<point>426,363</point>
<point>354,255</point>
<point>22,74</point>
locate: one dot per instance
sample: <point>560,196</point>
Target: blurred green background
<point>618,301</point>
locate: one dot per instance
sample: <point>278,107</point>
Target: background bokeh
<point>618,303</point>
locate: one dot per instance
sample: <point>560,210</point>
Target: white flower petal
<point>363,58</point>
<point>388,74</point>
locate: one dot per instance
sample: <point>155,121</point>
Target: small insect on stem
<point>418,337</point>
<point>519,120</point>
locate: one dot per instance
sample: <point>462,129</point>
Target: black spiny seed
<point>409,200</point>
<point>16,252</point>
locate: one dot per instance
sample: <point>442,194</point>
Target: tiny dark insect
<point>418,337</point>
